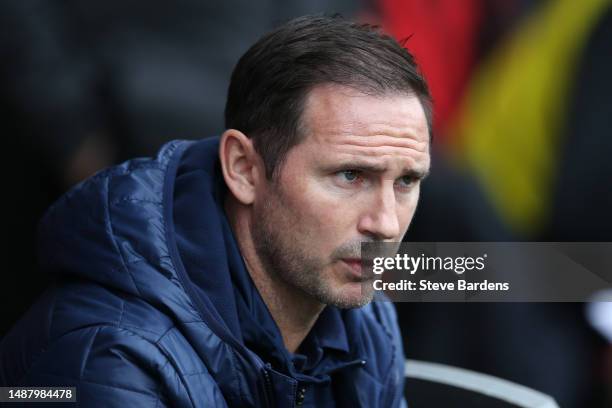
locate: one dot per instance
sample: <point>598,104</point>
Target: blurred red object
<point>443,37</point>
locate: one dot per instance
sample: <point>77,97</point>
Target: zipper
<point>360,362</point>
<point>268,389</point>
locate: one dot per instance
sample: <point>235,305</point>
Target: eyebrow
<point>379,168</point>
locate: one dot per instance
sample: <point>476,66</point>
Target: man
<point>226,272</point>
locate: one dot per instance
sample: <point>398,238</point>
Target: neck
<point>293,310</point>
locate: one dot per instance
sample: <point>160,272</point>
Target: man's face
<point>354,178</point>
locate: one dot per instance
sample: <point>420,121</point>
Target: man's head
<point>328,138</point>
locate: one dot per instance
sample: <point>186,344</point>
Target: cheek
<point>324,218</point>
<point>310,203</point>
<point>322,215</point>
<point>334,210</point>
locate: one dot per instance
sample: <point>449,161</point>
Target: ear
<point>240,165</point>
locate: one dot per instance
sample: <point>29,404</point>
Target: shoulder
<point>111,347</point>
<point>115,366</point>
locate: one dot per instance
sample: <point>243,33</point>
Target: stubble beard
<point>283,252</point>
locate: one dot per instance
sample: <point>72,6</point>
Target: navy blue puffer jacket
<point>152,304</point>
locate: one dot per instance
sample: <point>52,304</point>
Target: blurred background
<point>522,144</point>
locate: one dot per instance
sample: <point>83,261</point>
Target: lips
<point>355,267</point>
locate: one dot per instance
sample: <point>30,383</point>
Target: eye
<point>406,181</point>
<point>349,175</point>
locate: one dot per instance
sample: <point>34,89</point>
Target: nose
<point>380,220</point>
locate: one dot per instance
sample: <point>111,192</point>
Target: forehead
<point>337,107</point>
<point>345,121</point>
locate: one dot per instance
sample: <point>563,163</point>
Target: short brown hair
<point>271,80</point>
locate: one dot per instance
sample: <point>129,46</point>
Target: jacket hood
<point>111,229</point>
<point>140,226</point>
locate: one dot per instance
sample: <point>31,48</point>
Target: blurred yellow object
<point>513,115</point>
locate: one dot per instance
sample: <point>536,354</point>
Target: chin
<point>352,295</point>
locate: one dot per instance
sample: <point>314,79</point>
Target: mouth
<point>356,269</point>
